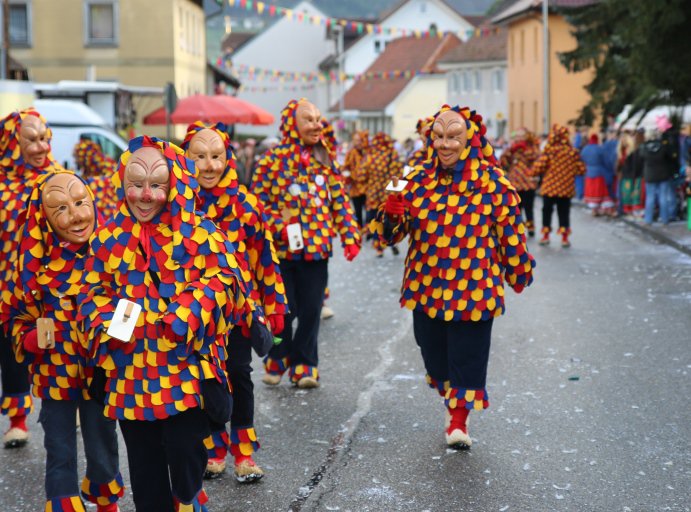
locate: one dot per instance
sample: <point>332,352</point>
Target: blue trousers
<point>662,194</point>
<point>456,352</point>
<point>305,283</point>
<point>59,421</point>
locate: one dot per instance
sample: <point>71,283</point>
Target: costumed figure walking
<point>467,239</point>
<point>241,217</point>
<point>162,290</point>
<point>382,165</point>
<point>422,128</point>
<point>307,206</point>
<point>356,176</point>
<point>558,165</point>
<point>98,169</point>
<point>42,310</point>
<point>517,161</point>
<point>24,156</point>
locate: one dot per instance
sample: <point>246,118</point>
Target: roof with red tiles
<point>402,54</point>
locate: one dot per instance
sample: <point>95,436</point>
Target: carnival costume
<point>46,284</point>
<point>356,176</point>
<point>98,170</point>
<point>382,165</point>
<point>558,166</point>
<point>241,217</point>
<point>17,180</point>
<point>181,270</point>
<point>299,180</point>
<point>466,240</point>
<point>422,128</point>
<point>517,161</point>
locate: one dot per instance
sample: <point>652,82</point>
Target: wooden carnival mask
<point>449,137</point>
<point>147,183</point>
<point>69,208</point>
<point>33,141</point>
<point>208,152</point>
<point>308,120</point>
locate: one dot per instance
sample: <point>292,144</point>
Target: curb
<point>657,235</point>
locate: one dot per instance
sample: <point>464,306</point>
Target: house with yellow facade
<point>134,42</point>
<point>529,105</point>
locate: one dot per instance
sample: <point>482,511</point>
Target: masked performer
<point>466,239</point>
<point>60,219</point>
<point>354,172</point>
<point>25,156</point>
<point>97,169</point>
<point>382,164</point>
<point>558,165</point>
<point>419,155</point>
<point>240,216</point>
<point>304,197</point>
<point>517,161</point>
<point>164,381</point>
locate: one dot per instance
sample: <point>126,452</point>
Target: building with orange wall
<point>526,66</point>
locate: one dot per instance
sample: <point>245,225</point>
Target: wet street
<point>588,382</point>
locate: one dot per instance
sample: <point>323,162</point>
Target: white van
<point>72,121</point>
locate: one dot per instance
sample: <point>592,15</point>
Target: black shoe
<point>395,250</point>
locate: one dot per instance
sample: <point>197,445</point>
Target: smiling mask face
<point>68,208</point>
<point>33,141</point>
<point>449,137</point>
<point>208,152</point>
<point>147,183</point>
<point>308,120</point>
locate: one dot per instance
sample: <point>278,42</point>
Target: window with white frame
<point>477,81</point>
<point>20,23</point>
<point>101,22</point>
<point>466,81</point>
<point>498,80</point>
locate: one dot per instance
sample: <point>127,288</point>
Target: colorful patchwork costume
<point>466,239</point>
<point>419,155</point>
<point>98,170</point>
<point>17,180</point>
<point>517,161</point>
<point>558,165</point>
<point>46,284</point>
<point>241,217</point>
<point>300,182</point>
<point>356,176</point>
<point>181,270</point>
<point>381,165</point>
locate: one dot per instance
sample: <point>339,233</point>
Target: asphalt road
<point>588,385</point>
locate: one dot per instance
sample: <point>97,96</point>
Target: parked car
<point>72,121</point>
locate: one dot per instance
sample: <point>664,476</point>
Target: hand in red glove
<point>276,324</point>
<point>350,251</point>
<point>30,342</point>
<point>394,205</point>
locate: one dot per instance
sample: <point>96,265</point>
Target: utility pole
<point>545,77</point>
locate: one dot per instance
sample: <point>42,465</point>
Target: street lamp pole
<point>545,77</point>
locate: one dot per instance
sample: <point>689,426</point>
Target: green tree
<point>639,50</point>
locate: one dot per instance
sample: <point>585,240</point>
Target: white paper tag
<point>294,232</point>
<point>319,180</point>
<point>406,170</point>
<point>124,320</point>
<point>401,186</point>
<point>345,174</point>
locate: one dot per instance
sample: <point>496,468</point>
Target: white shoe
<point>327,312</point>
<point>271,379</point>
<point>307,383</point>
<point>15,438</point>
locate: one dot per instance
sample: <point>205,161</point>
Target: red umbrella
<point>258,114</point>
<point>210,109</point>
